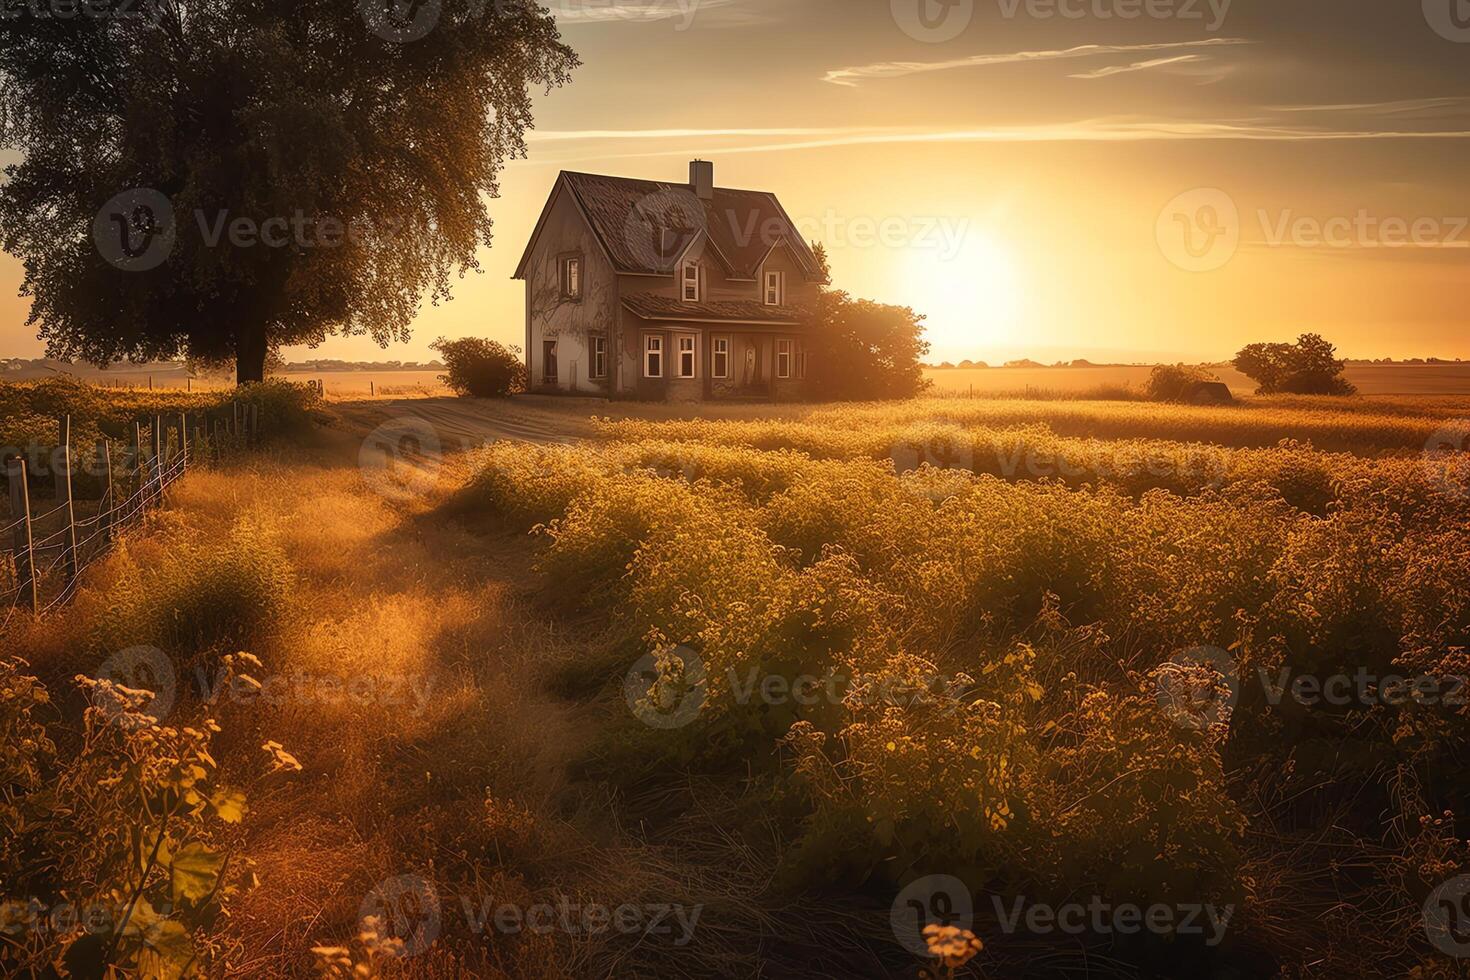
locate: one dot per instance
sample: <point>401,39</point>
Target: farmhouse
<point>651,290</point>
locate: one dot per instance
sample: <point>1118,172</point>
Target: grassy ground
<point>455,761</point>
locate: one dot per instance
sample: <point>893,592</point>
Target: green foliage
<point>1308,367</point>
<point>30,408</point>
<point>365,164</point>
<point>482,368</point>
<point>865,350</point>
<point>116,857</point>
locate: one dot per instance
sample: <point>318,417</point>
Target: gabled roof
<point>651,307</point>
<point>645,226</point>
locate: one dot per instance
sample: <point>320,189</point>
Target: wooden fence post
<point>63,479</point>
<point>25,555</point>
<point>108,506</point>
<point>184,438</point>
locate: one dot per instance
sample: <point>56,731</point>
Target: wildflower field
<point>978,688</point>
<point>1093,655</point>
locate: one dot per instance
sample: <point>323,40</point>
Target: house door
<point>750,375</point>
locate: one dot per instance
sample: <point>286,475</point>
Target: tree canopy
<point>1308,367</point>
<point>862,349</point>
<point>216,178</point>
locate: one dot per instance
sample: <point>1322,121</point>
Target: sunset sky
<point>1025,173</point>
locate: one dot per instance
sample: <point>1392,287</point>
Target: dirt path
<point>462,423</point>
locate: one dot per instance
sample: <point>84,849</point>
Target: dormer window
<point>691,282</point>
<point>775,288</point>
<point>571,277</point>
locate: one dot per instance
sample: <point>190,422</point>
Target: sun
<point>970,292</point>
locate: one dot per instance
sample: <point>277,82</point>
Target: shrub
<point>482,368</point>
<point>865,350</point>
<point>199,595</point>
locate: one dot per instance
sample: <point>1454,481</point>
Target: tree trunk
<point>250,350</point>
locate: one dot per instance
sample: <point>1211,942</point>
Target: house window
<point>783,358</point>
<point>653,357</point>
<point>686,357</point>
<point>722,357</point>
<point>775,288</point>
<point>548,361</point>
<point>599,357</point>
<point>691,282</point>
<point>571,277</point>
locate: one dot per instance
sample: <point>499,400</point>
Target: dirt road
<point>463,423</point>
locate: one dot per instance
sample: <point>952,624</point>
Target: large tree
<point>1308,367</point>
<point>215,178</point>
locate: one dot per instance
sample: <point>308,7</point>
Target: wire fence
<point>50,549</point>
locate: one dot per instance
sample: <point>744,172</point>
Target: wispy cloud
<point>852,76</point>
<point>565,135</point>
<point>1432,107</point>
<point>694,142</point>
<point>1111,70</point>
<point>572,12</point>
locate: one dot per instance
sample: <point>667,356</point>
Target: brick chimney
<point>702,178</point>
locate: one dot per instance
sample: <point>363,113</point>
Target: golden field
<point>785,672</point>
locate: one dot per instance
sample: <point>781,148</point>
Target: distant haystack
<point>1208,393</point>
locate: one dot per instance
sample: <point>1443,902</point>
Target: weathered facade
<point>643,289</point>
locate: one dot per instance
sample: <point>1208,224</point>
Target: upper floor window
<point>775,288</point>
<point>691,282</point>
<point>571,277</point>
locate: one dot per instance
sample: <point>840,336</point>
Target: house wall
<point>571,323</point>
